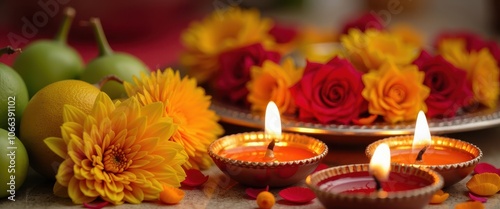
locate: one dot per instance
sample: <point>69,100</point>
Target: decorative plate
<point>479,119</point>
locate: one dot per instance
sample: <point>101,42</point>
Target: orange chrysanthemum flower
<point>369,50</point>
<point>119,152</point>
<point>396,93</point>
<point>188,105</point>
<point>481,66</point>
<point>272,82</point>
<point>221,31</point>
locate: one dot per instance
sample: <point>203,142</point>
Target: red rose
<point>368,20</point>
<point>450,89</point>
<point>330,92</point>
<point>282,34</point>
<point>235,71</point>
<point>473,42</point>
<point>494,50</point>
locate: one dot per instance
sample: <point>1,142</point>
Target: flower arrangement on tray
<point>373,74</point>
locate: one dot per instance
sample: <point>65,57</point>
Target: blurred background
<point>150,29</point>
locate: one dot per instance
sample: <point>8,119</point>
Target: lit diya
<point>453,159</point>
<point>378,185</point>
<point>269,158</point>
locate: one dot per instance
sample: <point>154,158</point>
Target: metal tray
<point>479,119</point>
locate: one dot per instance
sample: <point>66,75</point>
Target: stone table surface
<point>222,192</point>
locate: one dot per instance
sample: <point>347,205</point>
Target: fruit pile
<point>46,76</point>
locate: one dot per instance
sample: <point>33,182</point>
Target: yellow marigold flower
<point>220,31</point>
<point>119,152</point>
<point>188,105</point>
<point>396,93</point>
<point>408,34</point>
<point>481,66</point>
<point>369,50</point>
<point>272,82</point>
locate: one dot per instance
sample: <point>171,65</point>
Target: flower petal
<point>439,197</point>
<point>171,195</point>
<point>470,205</point>
<point>73,114</point>
<point>60,191</point>
<point>76,194</point>
<point>253,192</point>
<point>485,168</point>
<point>95,206</point>
<point>194,178</point>
<point>57,145</point>
<point>476,198</point>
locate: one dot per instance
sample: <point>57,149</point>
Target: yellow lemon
<point>43,117</point>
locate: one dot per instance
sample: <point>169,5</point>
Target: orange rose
<point>272,82</point>
<point>370,49</point>
<point>221,31</point>
<point>394,92</point>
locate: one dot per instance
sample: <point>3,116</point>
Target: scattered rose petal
<point>194,178</point>
<point>297,194</point>
<point>470,205</point>
<point>485,168</point>
<point>484,184</point>
<point>171,195</point>
<point>95,206</point>
<point>476,198</point>
<point>253,192</point>
<point>321,166</point>
<point>439,197</point>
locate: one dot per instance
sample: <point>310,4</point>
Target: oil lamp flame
<point>272,128</point>
<point>272,121</point>
<point>422,137</point>
<point>380,163</point>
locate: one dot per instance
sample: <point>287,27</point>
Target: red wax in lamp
<point>257,153</point>
<point>434,155</point>
<point>363,183</point>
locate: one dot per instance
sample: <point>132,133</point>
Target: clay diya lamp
<point>383,186</point>
<point>269,158</point>
<point>451,158</point>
